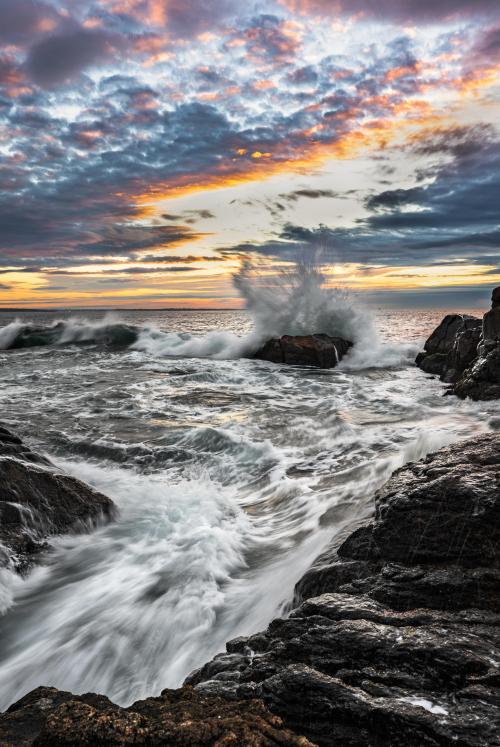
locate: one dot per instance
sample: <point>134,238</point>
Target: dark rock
<point>443,337</point>
<point>451,347</point>
<point>319,350</point>
<point>465,352</point>
<point>47,717</point>
<point>61,333</point>
<point>396,641</point>
<point>38,501</point>
<point>491,326</point>
<point>481,381</point>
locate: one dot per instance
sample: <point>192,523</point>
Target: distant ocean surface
<point>231,475</point>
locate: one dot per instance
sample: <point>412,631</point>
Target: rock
<point>47,717</point>
<point>465,352</point>
<point>38,501</point>
<point>481,380</point>
<point>451,347</point>
<point>396,640</point>
<point>63,333</point>
<point>491,326</point>
<point>319,350</point>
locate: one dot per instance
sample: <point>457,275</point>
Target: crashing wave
<point>20,335</point>
<point>295,301</point>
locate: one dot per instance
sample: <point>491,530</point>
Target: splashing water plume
<point>295,300</point>
<point>298,301</point>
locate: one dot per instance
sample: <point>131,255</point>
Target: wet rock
<point>451,347</point>
<point>48,717</point>
<point>319,350</point>
<point>396,640</point>
<point>38,501</point>
<point>465,352</point>
<point>481,380</point>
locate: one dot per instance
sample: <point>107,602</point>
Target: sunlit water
<point>231,476</point>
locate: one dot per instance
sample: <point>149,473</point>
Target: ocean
<point>230,475</point>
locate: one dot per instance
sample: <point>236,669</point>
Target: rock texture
<point>465,352</point>
<point>452,347</point>
<point>38,501</point>
<point>319,350</point>
<point>47,717</point>
<point>397,639</point>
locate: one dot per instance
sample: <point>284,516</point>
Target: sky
<point>149,147</point>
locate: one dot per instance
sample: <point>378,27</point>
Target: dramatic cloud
<point>58,59</point>
<point>130,129</point>
<point>453,218</point>
<point>404,10</point>
<point>22,20</point>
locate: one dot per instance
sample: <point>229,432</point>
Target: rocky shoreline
<point>395,639</point>
<point>464,351</point>
<point>38,501</point>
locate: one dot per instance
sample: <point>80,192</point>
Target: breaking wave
<point>74,331</point>
<point>295,301</point>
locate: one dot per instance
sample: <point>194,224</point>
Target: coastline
<point>395,637</point>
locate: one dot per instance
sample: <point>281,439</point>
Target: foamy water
<point>230,475</point>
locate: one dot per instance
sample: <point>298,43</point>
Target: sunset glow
<point>148,146</point>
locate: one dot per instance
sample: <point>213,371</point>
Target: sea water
<point>230,476</point>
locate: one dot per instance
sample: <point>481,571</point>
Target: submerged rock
<point>38,501</point>
<point>47,717</point>
<point>465,352</point>
<point>319,350</point>
<point>397,639</point>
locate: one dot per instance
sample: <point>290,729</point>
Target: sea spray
<point>298,301</point>
<point>295,300</point>
<point>230,478</point>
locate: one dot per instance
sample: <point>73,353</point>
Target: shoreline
<point>370,613</point>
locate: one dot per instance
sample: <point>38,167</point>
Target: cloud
<point>189,216</point>
<point>458,141</point>
<point>123,240</point>
<point>270,40</point>
<point>312,194</point>
<point>22,20</point>
<point>172,259</point>
<point>393,198</point>
<point>187,19</point>
<point>489,45</point>
<point>58,59</point>
<point>396,10</point>
<point>454,217</point>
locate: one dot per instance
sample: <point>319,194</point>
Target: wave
<point>21,335</point>
<point>295,301</point>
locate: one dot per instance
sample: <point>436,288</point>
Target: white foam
<point>426,704</point>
